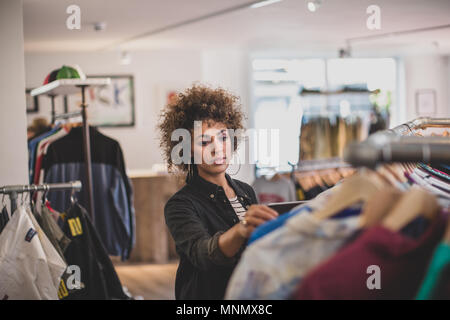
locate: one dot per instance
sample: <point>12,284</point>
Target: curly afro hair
<point>198,103</point>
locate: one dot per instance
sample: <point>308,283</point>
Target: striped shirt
<point>238,208</point>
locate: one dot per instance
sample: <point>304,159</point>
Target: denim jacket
<point>196,217</point>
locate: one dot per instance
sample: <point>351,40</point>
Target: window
<point>279,104</point>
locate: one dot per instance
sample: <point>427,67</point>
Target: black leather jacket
<point>196,216</point>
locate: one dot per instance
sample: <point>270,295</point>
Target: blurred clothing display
<point>324,137</point>
<point>275,189</point>
<point>311,183</point>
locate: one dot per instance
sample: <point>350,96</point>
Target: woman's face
<point>212,147</point>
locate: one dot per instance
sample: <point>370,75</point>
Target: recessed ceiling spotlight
<point>99,26</point>
<point>314,5</point>
<point>125,58</point>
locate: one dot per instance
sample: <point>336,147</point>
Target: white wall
<point>231,70</point>
<point>13,146</point>
<point>427,72</point>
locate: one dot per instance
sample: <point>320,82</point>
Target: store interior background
<point>219,51</point>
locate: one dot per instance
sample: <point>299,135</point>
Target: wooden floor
<point>149,281</point>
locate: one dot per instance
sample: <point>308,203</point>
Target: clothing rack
<point>321,164</point>
<point>70,86</point>
<point>408,128</point>
<point>400,145</point>
<point>13,190</point>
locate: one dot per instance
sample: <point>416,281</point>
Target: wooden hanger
<point>336,176</point>
<point>412,204</point>
<point>327,177</point>
<point>378,206</point>
<point>305,182</point>
<point>397,171</point>
<point>357,188</point>
<point>317,179</point>
<point>381,171</point>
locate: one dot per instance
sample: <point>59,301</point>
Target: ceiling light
<point>99,26</point>
<point>314,5</point>
<point>263,3</point>
<point>125,58</point>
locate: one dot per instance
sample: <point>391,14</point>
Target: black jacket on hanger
<point>196,217</point>
<point>114,217</point>
<point>99,280</point>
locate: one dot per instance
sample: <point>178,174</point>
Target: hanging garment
<point>401,260</point>
<point>54,214</point>
<point>434,286</point>
<point>53,232</point>
<point>433,180</point>
<point>278,189</point>
<point>443,167</point>
<point>32,146</point>
<point>41,150</point>
<point>30,267</point>
<point>313,192</point>
<point>443,195</point>
<point>272,267</point>
<point>274,224</point>
<point>444,176</point>
<point>98,276</point>
<point>4,218</point>
<point>114,217</point>
<point>322,148</point>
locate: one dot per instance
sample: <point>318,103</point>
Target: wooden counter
<point>154,244</point>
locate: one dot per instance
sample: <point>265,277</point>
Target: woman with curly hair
<point>213,215</point>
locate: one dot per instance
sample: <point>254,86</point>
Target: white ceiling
<point>284,26</point>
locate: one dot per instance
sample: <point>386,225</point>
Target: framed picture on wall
<point>32,102</point>
<point>110,105</point>
<point>426,102</point>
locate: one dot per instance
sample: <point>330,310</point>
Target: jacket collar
<point>212,190</point>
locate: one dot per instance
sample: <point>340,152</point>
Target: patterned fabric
<point>272,267</point>
<point>238,208</point>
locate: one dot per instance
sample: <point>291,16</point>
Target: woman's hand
<point>256,215</point>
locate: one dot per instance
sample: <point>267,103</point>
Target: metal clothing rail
<point>67,115</point>
<point>320,164</point>
<point>13,190</point>
<point>408,128</point>
<point>400,145</point>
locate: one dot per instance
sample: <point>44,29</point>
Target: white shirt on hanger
<point>30,266</point>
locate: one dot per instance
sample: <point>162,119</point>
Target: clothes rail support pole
<point>52,97</point>
<point>87,154</point>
